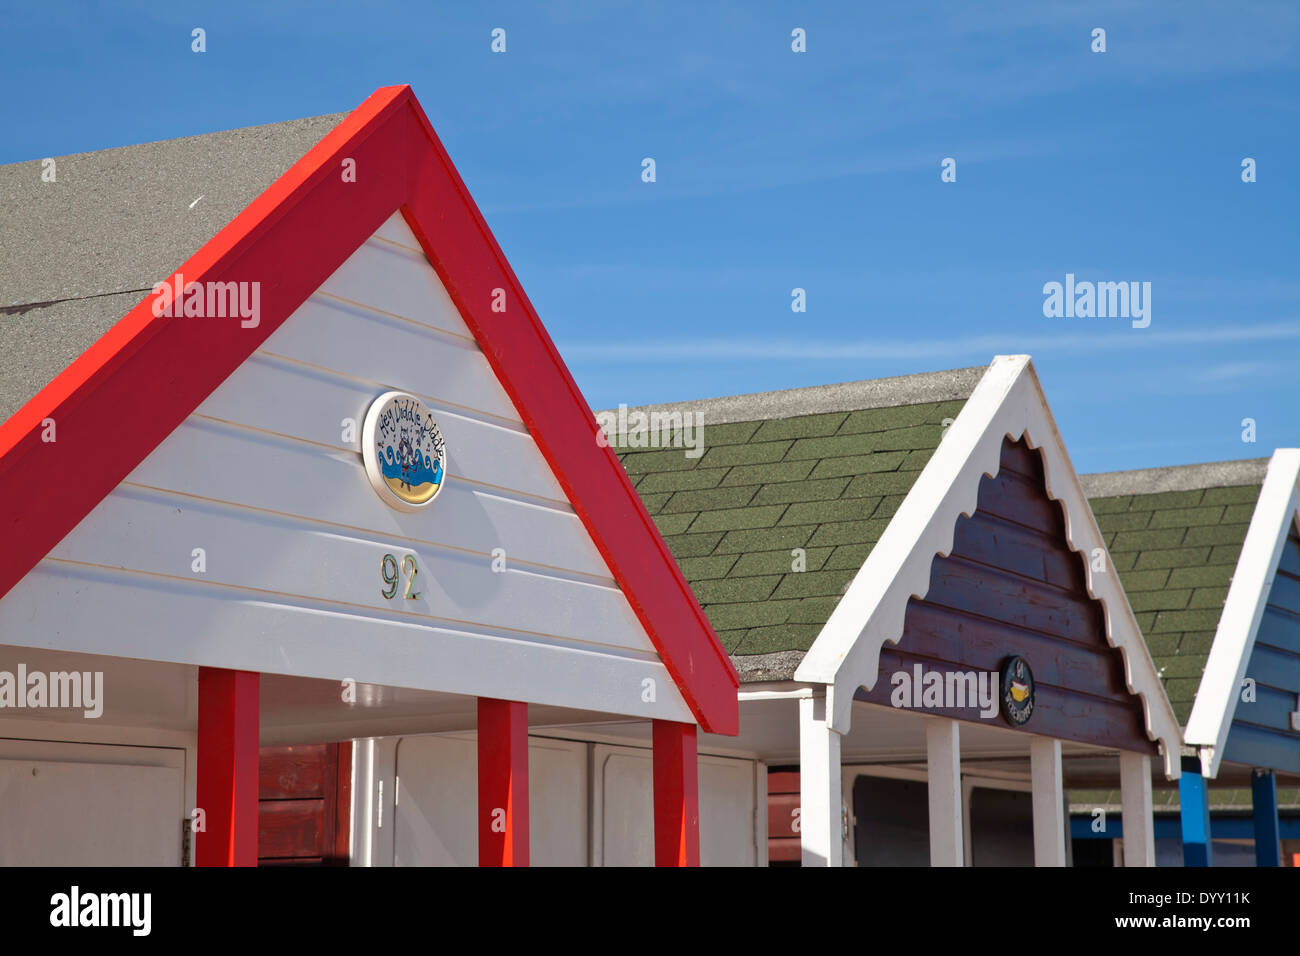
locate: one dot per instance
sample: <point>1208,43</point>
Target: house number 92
<point>388,571</point>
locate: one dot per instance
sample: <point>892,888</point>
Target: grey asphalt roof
<point>920,389</point>
<point>78,253</point>
<point>1144,481</point>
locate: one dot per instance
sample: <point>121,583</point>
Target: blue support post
<point>1194,807</point>
<point>1263,797</point>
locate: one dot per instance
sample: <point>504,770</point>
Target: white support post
<point>1049,801</point>
<point>943,763</point>
<point>1135,805</point>
<point>820,833</point>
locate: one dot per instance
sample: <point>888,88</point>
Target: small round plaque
<point>404,452</point>
<point>1017,690</point>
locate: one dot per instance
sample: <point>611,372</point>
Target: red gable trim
<point>134,386</point>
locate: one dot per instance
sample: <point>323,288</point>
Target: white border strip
<point>1216,700</point>
<point>1008,402</point>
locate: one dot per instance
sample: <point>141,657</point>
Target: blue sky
<point>818,170</point>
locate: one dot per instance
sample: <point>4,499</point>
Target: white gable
<point>265,481</point>
<point>1008,402</point>
<point>1276,515</point>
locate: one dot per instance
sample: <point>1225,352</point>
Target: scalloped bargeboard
<point>1012,587</point>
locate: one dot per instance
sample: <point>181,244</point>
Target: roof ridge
<point>1210,474</point>
<point>921,388</point>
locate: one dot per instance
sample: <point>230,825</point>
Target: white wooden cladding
<point>399,282</point>
<point>263,478</point>
<point>155,532</point>
<point>395,230</point>
<point>288,477</point>
<point>97,611</point>
<point>379,350</point>
<point>486,452</point>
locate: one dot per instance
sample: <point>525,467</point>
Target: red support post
<point>676,795</point>
<point>502,782</point>
<point>227,768</point>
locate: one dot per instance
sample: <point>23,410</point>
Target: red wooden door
<point>783,846</point>
<point>305,804</point>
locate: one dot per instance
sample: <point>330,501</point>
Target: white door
<point>624,801</point>
<point>90,805</point>
<point>436,812</point>
<point>437,802</point>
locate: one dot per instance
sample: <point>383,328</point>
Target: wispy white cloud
<point>705,176</point>
<point>683,349</point>
<point>1235,371</point>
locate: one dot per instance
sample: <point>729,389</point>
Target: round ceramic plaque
<point>1017,690</point>
<point>404,451</point>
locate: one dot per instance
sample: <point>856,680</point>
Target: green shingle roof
<point>1166,799</point>
<point>769,494</point>
<point>1175,547</point>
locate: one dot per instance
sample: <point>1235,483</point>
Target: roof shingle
<point>1175,552</point>
<point>773,521</point>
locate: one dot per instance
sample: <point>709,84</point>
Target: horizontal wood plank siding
<point>781,818</point>
<point>1285,593</point>
<point>304,805</point>
<point>1012,600</point>
<point>271,394</point>
<point>1265,747</point>
<point>450,369</point>
<point>1059,712</point>
<point>286,827</point>
<point>972,642</point>
<point>94,610</point>
<point>1274,667</point>
<point>1290,560</point>
<point>466,517</point>
<point>1280,629</point>
<point>1261,734</point>
<point>270,553</point>
<point>1272,707</point>
<point>783,840</point>
<point>293,773</point>
<point>397,282</point>
<point>993,542</point>
<point>1012,587</point>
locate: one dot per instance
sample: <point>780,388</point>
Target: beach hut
<point>1210,558</point>
<point>288,459</point>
